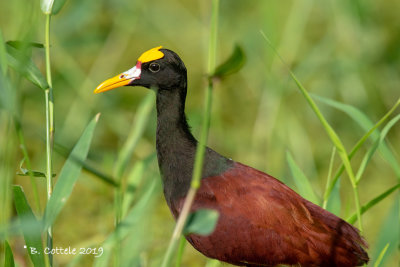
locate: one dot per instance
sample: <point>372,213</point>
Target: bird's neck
<point>176,146</point>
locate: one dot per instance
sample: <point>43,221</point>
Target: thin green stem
<point>181,249</point>
<point>374,202</point>
<point>49,129</point>
<point>328,182</point>
<point>199,159</point>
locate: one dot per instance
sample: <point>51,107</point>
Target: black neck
<point>176,146</point>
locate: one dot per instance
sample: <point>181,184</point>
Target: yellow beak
<point>120,80</point>
<point>112,83</point>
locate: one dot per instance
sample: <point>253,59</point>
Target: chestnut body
<point>264,223</point>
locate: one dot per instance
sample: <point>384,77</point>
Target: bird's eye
<point>154,67</point>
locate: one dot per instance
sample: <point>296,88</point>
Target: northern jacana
<point>262,222</point>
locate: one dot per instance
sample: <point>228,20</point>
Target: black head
<point>157,68</point>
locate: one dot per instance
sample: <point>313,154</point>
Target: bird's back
<point>264,223</point>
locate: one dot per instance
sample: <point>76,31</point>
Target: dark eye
<point>154,67</point>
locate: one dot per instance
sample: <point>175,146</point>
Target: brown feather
<point>264,223</point>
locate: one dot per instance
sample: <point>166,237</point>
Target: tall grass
<point>343,58</point>
<point>49,129</point>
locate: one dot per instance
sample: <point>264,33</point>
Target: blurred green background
<point>348,51</point>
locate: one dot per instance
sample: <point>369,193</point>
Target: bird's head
<point>157,68</point>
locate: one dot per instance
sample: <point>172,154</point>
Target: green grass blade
<point>69,174</point>
<point>374,202</point>
<point>374,147</point>
<point>301,180</point>
<point>328,181</point>
<point>134,179</point>
<point>8,255</point>
<point>360,142</point>
<point>351,111</point>
<point>180,250</point>
<point>381,255</point>
<point>331,133</point>
<point>366,124</point>
<point>31,227</point>
<point>63,151</point>
<point>389,233</point>
<point>25,66</point>
<point>328,128</point>
<point>126,225</point>
<point>8,150</point>
<point>135,134</point>
<point>125,155</point>
<point>17,44</point>
<point>334,202</point>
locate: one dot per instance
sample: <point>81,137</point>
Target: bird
<point>262,222</point>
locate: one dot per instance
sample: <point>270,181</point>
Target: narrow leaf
<point>366,124</point>
<point>386,152</point>
<point>8,257</point>
<point>334,202</point>
<point>69,174</point>
<point>233,64</point>
<point>181,249</point>
<point>373,202</point>
<point>330,131</point>
<point>302,182</point>
<point>86,166</point>
<point>134,178</point>
<point>351,111</point>
<point>31,227</point>
<point>201,222</point>
<point>381,255</point>
<point>26,172</point>
<point>389,233</point>
<point>126,225</point>
<point>23,45</point>
<point>374,147</point>
<point>135,134</point>
<point>25,67</point>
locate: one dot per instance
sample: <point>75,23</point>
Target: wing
<point>264,222</point>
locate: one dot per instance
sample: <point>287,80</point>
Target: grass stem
<point>328,181</point>
<point>49,130</point>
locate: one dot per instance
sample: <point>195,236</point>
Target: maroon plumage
<point>264,222</point>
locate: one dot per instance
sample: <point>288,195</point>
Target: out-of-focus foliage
<point>346,51</point>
